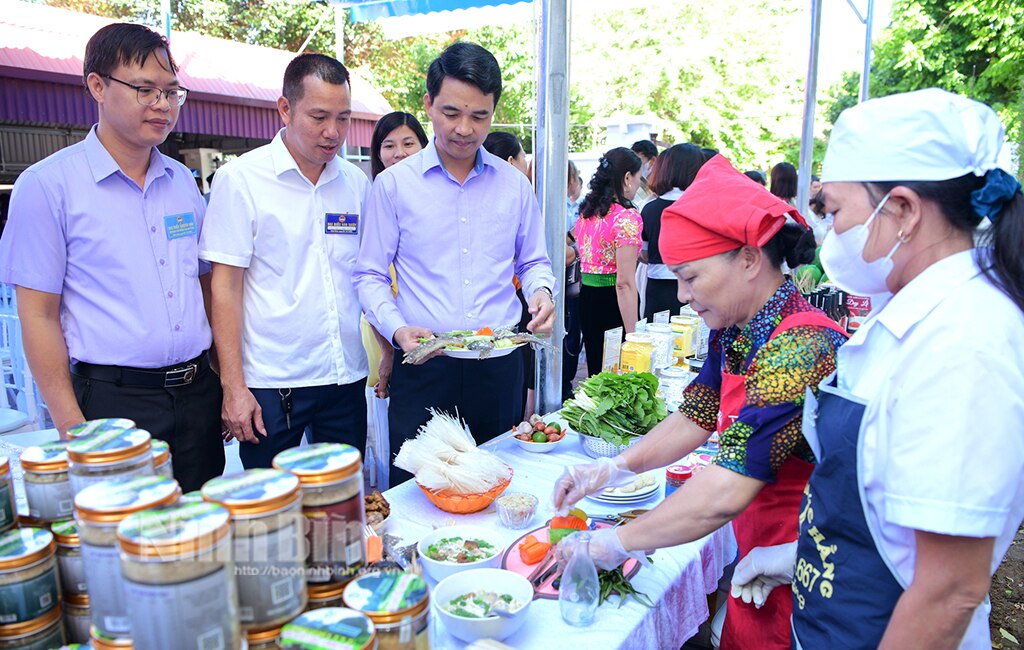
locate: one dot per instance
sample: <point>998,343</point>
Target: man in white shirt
<point>283,231</point>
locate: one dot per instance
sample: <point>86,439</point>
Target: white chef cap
<point>926,135</point>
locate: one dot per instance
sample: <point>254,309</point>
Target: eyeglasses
<point>149,96</point>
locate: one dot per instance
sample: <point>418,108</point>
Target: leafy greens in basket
<point>615,408</point>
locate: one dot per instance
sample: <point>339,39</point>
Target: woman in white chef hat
<point>919,486</point>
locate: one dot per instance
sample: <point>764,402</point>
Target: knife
<point>544,564</point>
<point>552,571</point>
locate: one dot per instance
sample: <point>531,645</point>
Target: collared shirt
<point>777,373</point>
<point>600,238</point>
<point>298,243</point>
<point>124,260</point>
<point>455,246</point>
<point>941,368</point>
<point>656,268</point>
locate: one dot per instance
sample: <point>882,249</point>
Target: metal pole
<point>551,155</point>
<point>165,7</point>
<point>865,77</point>
<point>339,51</point>
<point>807,141</point>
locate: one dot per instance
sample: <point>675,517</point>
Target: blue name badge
<point>336,223</point>
<point>180,225</point>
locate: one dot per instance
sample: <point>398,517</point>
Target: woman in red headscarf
<point>726,240</point>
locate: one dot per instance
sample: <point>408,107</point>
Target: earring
<point>904,238</point>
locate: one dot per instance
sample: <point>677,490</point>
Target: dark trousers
<point>571,345</point>
<point>186,417</point>
<point>599,312</point>
<point>488,395</point>
<point>334,413</point>
<point>661,295</point>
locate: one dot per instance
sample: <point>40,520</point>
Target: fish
<point>484,346</point>
<point>430,346</point>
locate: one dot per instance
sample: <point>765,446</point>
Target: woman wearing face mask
<point>919,487</point>
<point>726,239</point>
<point>608,236</point>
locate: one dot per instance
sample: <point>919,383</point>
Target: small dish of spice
<point>516,509</point>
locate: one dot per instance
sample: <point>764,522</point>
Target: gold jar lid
<point>322,463</point>
<point>25,628</point>
<point>101,641</point>
<point>109,446</point>
<point>328,591</point>
<point>253,492</point>
<point>78,600</point>
<point>262,636</point>
<point>108,502</point>
<point>47,457</point>
<point>23,547</point>
<point>161,451</point>
<point>338,624</point>
<point>90,427</point>
<point>65,532</point>
<point>387,597</point>
<point>173,532</point>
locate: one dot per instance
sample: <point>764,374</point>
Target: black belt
<point>170,377</point>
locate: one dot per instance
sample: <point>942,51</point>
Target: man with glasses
<point>102,244</point>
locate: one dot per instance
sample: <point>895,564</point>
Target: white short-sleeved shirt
<point>942,369</point>
<point>298,243</point>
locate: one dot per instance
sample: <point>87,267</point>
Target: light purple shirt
<point>455,246</point>
<point>126,266</point>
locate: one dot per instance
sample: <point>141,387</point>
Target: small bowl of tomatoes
<point>538,436</point>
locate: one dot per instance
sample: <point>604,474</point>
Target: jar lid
<point>660,328</point>
<point>101,641</point>
<point>337,624</point>
<point>174,531</point>
<point>387,597</point>
<point>683,319</point>
<point>47,457</point>
<point>113,500</point>
<point>674,372</point>
<point>253,492</point>
<point>679,472</point>
<point>78,600</point>
<point>195,496</point>
<point>22,547</point>
<point>637,337</point>
<point>325,462</point>
<point>65,532</point>
<point>90,427</point>
<point>27,628</point>
<point>109,446</point>
<point>262,636</point>
<point>328,591</point>
<point>161,451</point>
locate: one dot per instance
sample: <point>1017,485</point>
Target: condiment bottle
<point>675,477</point>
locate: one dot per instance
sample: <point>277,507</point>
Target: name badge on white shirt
<point>337,223</point>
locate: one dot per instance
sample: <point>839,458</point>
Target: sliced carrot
<point>568,522</point>
<point>485,331</point>
<point>534,553</point>
<point>528,541</point>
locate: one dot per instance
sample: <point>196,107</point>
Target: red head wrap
<point>722,210</point>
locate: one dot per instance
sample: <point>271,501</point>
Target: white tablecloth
<point>678,581</point>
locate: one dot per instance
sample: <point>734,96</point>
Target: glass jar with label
<point>110,454</point>
<point>98,510</point>
<point>324,595</point>
<point>8,510</point>
<point>339,627</point>
<point>179,578</point>
<point>684,330</point>
<point>637,353</point>
<point>331,476</point>
<point>69,557</point>
<point>269,545</point>
<point>47,487</point>
<point>671,383</point>
<point>264,639</point>
<point>42,633</point>
<point>28,575</point>
<point>397,603</point>
<point>77,617</point>
<point>663,340</point>
<point>161,458</point>
<point>100,641</point>
<point>101,425</point>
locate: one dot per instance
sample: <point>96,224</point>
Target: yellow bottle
<point>637,353</point>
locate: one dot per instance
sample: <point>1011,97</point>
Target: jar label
<point>77,628</point>
<point>49,501</point>
<point>109,440</point>
<point>178,523</point>
<point>334,535</point>
<point>47,452</point>
<point>199,613</point>
<point>385,592</point>
<point>72,573</point>
<point>7,512</point>
<point>81,480</point>
<point>29,599</point>
<point>333,627</point>
<point>53,639</point>
<point>106,595</point>
<point>23,542</point>
<point>324,456</point>
<point>270,574</point>
<point>101,425</point>
<point>251,486</point>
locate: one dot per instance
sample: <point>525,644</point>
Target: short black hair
<point>323,67</point>
<point>709,153</point>
<point>783,181</point>
<point>467,62</point>
<point>645,148</point>
<point>676,166</point>
<point>756,175</point>
<point>123,44</point>
<point>386,125</point>
<point>503,145</point>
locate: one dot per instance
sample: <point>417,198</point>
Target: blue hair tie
<point>999,187</point>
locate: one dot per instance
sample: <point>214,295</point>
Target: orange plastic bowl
<point>464,504</point>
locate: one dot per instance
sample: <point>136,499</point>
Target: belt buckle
<point>182,376</point>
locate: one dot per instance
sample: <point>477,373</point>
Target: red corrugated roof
<point>47,44</point>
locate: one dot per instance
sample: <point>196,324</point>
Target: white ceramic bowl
<point>539,447</point>
<point>493,627</point>
<point>440,570</point>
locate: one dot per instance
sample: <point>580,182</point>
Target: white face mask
<point>842,258</point>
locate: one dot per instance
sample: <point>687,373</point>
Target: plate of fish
<point>483,343</point>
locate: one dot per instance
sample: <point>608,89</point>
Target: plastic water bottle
<point>579,591</point>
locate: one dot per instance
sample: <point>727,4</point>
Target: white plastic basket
<point>598,448</point>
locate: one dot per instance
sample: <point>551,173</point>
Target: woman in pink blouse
<point>608,234</point>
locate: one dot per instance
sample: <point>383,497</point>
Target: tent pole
<point>551,155</point>
<point>807,141</point>
<point>865,77</point>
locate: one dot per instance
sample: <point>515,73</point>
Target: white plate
<point>642,493</point>
<point>601,498</point>
<point>475,354</point>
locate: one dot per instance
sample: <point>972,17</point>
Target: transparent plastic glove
<point>763,569</point>
<point>577,481</point>
<point>607,551</point>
